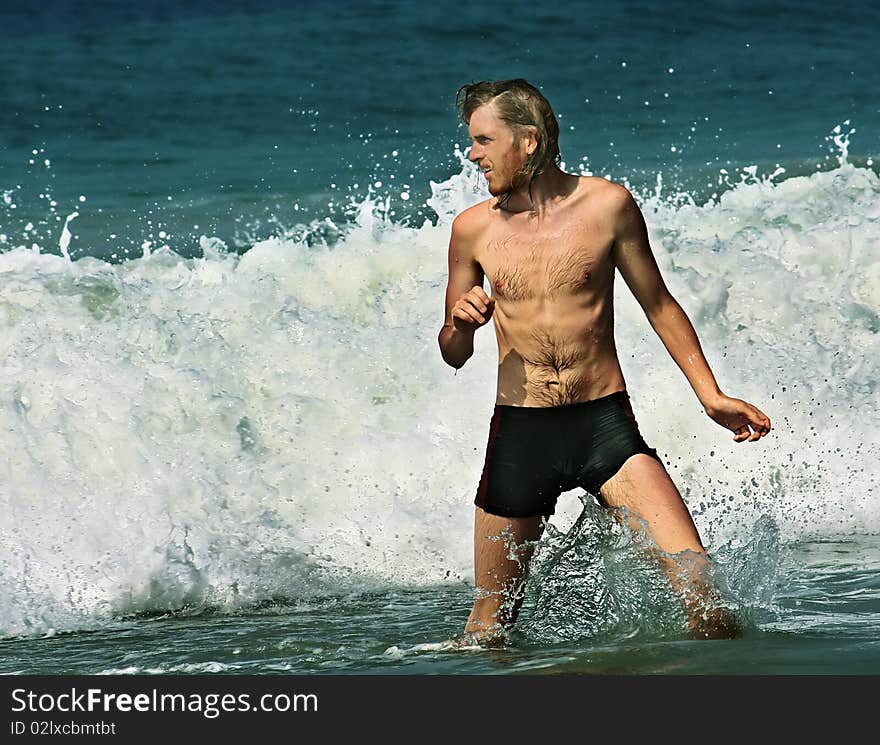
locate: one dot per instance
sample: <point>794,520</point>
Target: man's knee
<point>693,577</point>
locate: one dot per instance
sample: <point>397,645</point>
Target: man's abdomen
<point>569,360</point>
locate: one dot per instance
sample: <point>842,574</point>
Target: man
<point>549,243</point>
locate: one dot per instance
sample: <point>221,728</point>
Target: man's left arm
<point>634,259</point>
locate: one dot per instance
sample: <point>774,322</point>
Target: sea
<point>230,444</point>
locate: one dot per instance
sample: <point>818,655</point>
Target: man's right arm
<point>467,305</point>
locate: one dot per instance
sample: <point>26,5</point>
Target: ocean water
<point>231,443</point>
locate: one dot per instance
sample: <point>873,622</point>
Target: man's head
<point>514,131</point>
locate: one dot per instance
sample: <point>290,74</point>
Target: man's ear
<point>530,137</point>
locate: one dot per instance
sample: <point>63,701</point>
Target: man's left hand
<point>738,416</point>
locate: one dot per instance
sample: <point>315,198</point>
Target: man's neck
<point>550,187</point>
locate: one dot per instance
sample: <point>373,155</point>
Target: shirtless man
<point>549,243</point>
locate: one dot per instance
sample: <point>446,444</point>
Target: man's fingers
<point>474,299</point>
<point>744,434</point>
<point>481,295</point>
<point>760,423</point>
<point>475,306</point>
<point>480,303</point>
<point>747,422</point>
<point>754,434</point>
<point>477,297</point>
<point>466,312</point>
<point>759,420</point>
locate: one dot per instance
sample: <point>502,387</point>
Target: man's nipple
<point>499,284</point>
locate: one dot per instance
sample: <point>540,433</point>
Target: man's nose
<point>475,154</point>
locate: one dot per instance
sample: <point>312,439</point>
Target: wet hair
<point>519,105</point>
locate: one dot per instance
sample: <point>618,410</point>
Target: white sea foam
<point>187,668</point>
<point>231,429</point>
<point>449,645</point>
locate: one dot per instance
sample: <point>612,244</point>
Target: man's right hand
<point>472,310</point>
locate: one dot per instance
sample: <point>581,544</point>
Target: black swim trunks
<point>536,453</point>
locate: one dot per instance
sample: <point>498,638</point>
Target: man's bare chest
<point>548,263</point>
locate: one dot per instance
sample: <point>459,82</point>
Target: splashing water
<point>221,431</point>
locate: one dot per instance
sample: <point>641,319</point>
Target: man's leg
<point>654,504</point>
<point>503,548</point>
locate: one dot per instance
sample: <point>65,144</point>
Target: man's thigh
<point>653,503</point>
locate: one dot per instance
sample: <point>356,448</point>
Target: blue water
<point>243,117</point>
<point>226,417</point>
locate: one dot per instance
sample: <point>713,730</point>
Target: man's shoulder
<point>473,220</point>
<point>605,201</point>
<point>600,188</point>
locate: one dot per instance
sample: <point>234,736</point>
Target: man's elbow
<point>450,358</point>
<point>454,362</point>
<point>451,355</point>
<point>658,304</point>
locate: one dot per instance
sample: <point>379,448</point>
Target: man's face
<point>495,149</point>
